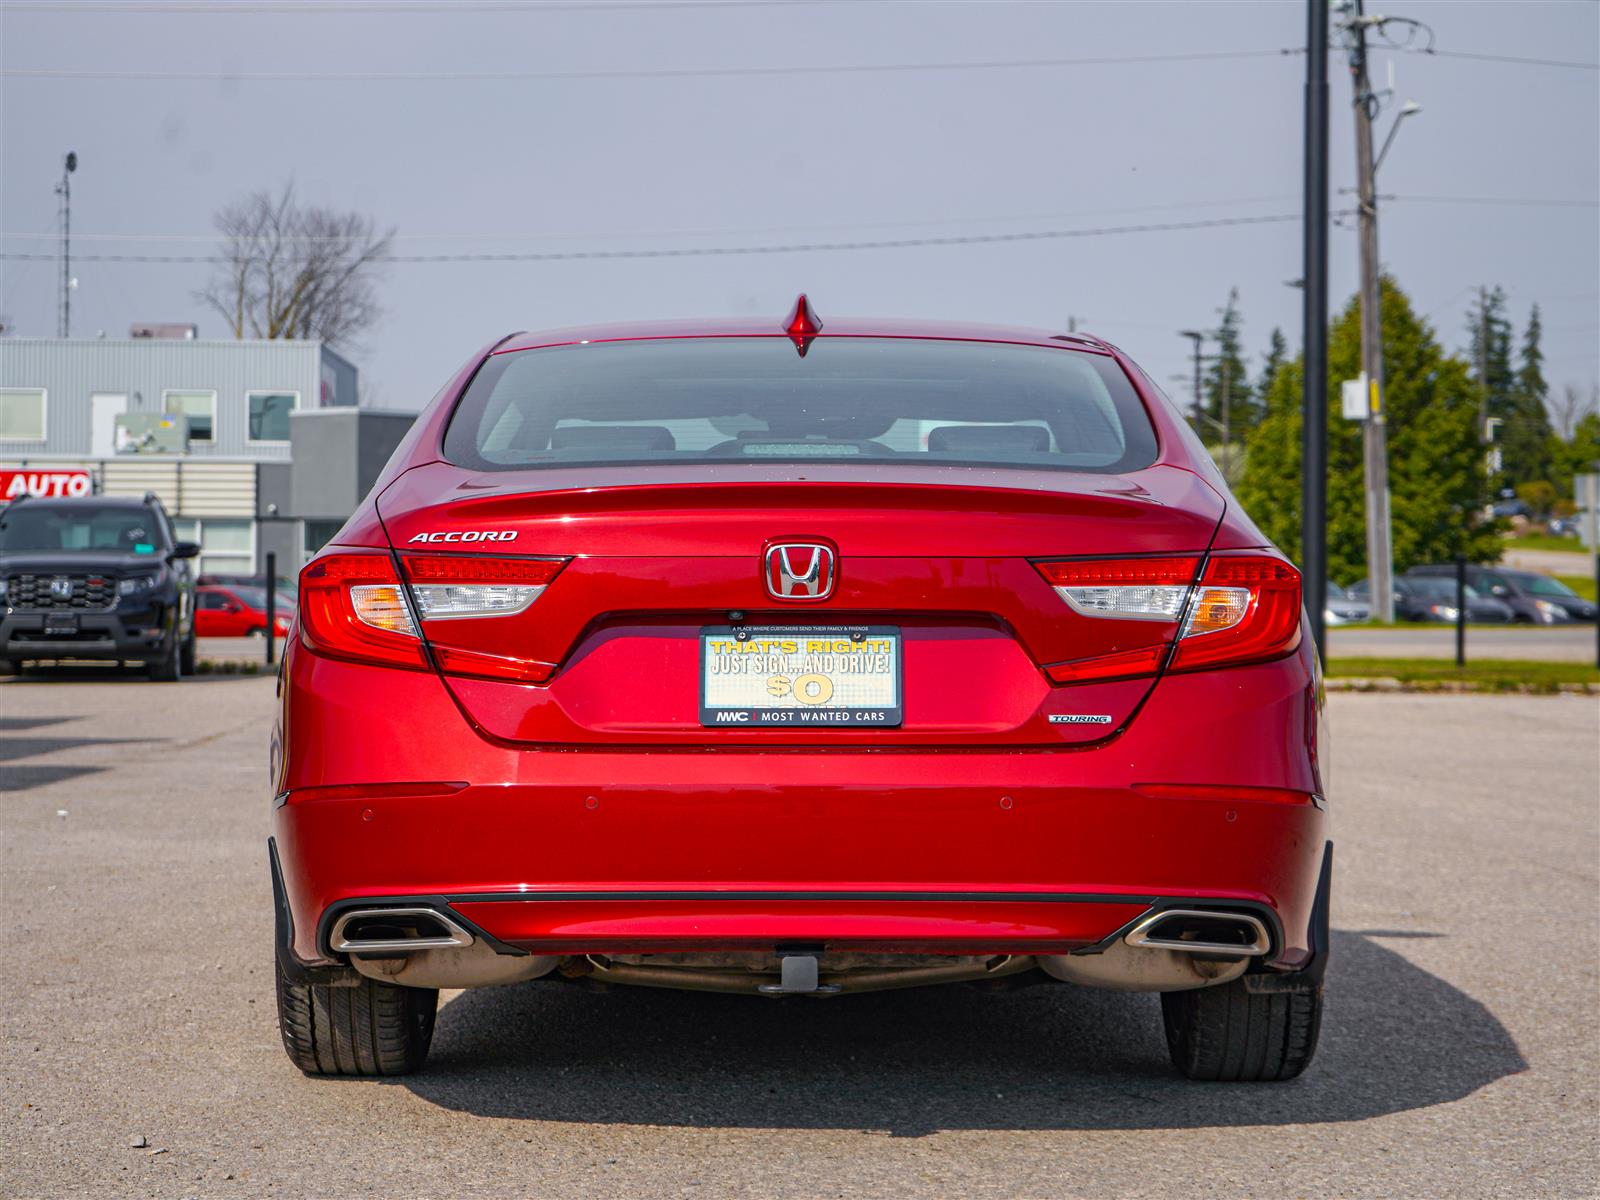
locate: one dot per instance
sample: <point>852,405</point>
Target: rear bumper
<point>510,861</point>
<point>108,633</point>
<point>617,850</point>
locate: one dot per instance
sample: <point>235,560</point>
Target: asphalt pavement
<point>1459,1055</point>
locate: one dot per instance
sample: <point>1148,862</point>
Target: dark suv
<point>96,577</point>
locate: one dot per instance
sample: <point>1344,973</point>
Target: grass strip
<point>1487,675</point>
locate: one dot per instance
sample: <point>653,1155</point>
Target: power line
<point>1508,201</point>
<point>702,231</point>
<point>767,230</point>
<point>727,251</point>
<point>657,73</point>
<point>1513,58</point>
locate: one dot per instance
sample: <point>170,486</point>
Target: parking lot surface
<point>1459,1056</point>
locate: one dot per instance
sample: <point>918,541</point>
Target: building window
<point>199,407</point>
<point>317,534</point>
<point>21,414</point>
<point>227,547</point>
<point>269,415</point>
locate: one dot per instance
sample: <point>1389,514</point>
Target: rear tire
<point>370,1029</point>
<point>1226,1033</point>
<point>169,667</point>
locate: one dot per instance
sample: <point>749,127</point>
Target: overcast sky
<point>482,166</point>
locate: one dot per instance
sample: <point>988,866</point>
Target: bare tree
<point>1570,408</point>
<point>293,271</point>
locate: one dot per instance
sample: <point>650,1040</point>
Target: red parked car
<point>222,612</point>
<point>795,660</point>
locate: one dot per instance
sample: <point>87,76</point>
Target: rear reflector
<point>1207,791</point>
<point>356,607</point>
<point>1244,607</point>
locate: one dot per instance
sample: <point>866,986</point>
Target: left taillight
<point>1244,606</point>
<point>356,606</point>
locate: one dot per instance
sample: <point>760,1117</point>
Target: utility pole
<point>1374,430</point>
<point>1198,338</point>
<point>64,190</point>
<point>1314,332</point>
<point>1483,366</point>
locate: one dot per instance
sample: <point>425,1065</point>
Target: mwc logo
<point>53,485</point>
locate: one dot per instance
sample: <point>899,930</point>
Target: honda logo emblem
<point>800,571</point>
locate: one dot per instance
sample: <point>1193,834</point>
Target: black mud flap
<point>1320,935</point>
<point>295,971</point>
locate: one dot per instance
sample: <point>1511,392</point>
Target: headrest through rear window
<point>989,439</point>
<point>613,437</point>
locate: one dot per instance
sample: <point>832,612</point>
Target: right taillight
<point>1244,607</point>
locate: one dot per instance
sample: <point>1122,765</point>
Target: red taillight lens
<point>1127,664</point>
<point>351,607</point>
<point>355,606</point>
<point>453,592</point>
<point>448,587</point>
<point>1126,589</point>
<point>1246,609</point>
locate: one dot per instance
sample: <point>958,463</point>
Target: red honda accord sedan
<point>794,660</point>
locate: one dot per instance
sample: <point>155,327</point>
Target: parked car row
<point>1494,595</point>
<point>1344,609</point>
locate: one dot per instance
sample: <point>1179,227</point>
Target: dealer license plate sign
<point>846,676</point>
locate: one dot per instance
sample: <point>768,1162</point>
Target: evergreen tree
<point>1489,350</point>
<point>1525,434</point>
<point>1277,352</point>
<point>1437,479</point>
<point>1227,378</point>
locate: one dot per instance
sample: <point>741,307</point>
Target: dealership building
<point>252,446</point>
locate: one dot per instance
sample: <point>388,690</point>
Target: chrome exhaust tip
<point>1199,931</point>
<point>376,930</point>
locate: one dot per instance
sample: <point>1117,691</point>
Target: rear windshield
<point>846,400</point>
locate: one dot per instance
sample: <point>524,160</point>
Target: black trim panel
<point>913,897</point>
<point>1151,903</point>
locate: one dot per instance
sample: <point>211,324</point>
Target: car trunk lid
<point>939,559</point>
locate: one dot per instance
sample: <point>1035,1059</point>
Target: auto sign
<point>44,484</point>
